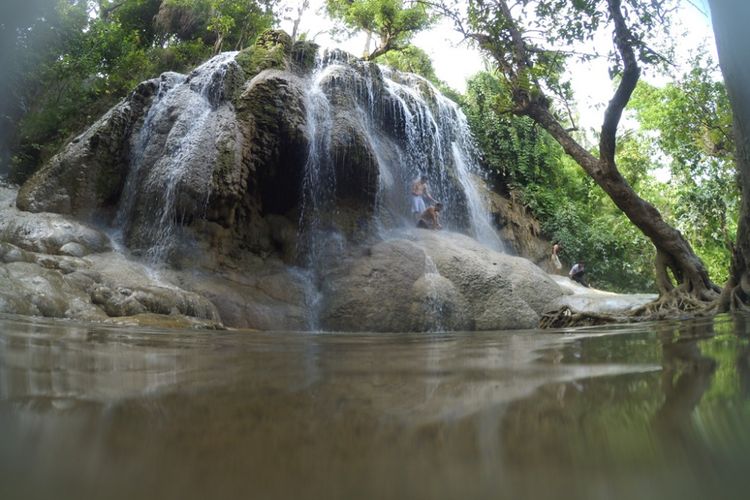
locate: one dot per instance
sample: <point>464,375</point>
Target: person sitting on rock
<point>576,273</point>
<point>418,194</point>
<point>429,218</point>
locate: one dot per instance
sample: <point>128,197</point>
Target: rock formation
<point>267,189</point>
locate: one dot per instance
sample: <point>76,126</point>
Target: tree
<point>532,74</point>
<point>227,24</point>
<point>412,60</point>
<point>689,121</point>
<point>730,21</point>
<point>294,13</point>
<point>393,22</point>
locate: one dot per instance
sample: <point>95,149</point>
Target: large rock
<point>392,287</point>
<point>102,287</point>
<point>435,280</point>
<point>271,299</point>
<point>88,174</point>
<point>46,232</point>
<point>226,178</point>
<point>272,112</point>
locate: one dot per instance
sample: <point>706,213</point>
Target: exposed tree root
<point>566,317</point>
<point>738,300</point>
<point>676,304</point>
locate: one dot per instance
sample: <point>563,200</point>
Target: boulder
<point>435,280</point>
<point>264,296</point>
<point>88,174</point>
<point>48,233</point>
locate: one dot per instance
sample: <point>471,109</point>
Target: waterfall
<point>172,158</point>
<point>410,129</point>
<point>407,128</point>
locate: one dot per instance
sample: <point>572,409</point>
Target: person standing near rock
<point>418,194</point>
<point>555,258</point>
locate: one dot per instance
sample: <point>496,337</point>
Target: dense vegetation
<point>679,158</point>
<point>73,59</point>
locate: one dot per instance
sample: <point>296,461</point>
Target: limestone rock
<point>48,233</point>
<point>375,292</point>
<point>435,280</point>
<point>88,174</point>
<point>270,299</point>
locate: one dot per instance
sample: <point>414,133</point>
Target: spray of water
<point>173,157</point>
<point>410,129</point>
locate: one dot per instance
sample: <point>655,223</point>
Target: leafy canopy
<point>77,58</point>
<point>392,22</point>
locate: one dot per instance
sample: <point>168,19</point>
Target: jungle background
<point>66,62</point>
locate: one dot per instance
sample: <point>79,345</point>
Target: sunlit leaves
<point>392,22</point>
<point>227,24</point>
<point>411,59</point>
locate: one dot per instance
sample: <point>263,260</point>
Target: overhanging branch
<point>630,75</point>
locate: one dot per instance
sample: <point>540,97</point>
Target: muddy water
<point>647,411</point>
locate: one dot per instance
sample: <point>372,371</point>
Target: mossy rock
<point>272,50</point>
<point>303,56</point>
<point>273,38</point>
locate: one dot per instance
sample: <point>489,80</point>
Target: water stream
<point>649,411</point>
<point>411,129</point>
<point>176,145</point>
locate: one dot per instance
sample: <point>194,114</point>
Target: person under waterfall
<point>429,219</point>
<point>418,194</point>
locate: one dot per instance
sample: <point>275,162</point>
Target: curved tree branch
<point>630,75</point>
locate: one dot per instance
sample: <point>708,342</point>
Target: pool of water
<point>644,411</point>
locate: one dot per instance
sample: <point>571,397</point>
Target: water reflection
<point>686,376</point>
<point>647,411</point>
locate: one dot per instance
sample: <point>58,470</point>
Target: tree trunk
<point>730,21</point>
<point>673,250</point>
<point>368,41</point>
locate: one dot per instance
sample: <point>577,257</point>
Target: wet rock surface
<point>435,280</point>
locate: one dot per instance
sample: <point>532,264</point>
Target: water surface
<point>642,411</point>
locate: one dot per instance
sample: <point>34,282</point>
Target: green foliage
<point>572,209</point>
<point>685,130</point>
<point>393,22</point>
<point>693,119</point>
<point>81,57</point>
<point>567,23</point>
<point>410,59</point>
<point>225,24</point>
<point>513,147</point>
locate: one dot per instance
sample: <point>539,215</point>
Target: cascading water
<point>173,157</point>
<point>410,128</point>
<point>318,186</point>
<point>438,135</point>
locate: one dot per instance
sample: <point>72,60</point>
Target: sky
<point>455,61</point>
